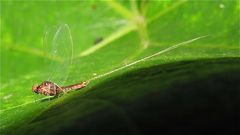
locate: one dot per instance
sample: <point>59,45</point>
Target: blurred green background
<point>129,30</point>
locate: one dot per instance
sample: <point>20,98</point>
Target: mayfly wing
<point>59,47</point>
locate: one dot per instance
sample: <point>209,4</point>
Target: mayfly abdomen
<point>74,87</point>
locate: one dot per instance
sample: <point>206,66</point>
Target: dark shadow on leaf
<point>189,97</point>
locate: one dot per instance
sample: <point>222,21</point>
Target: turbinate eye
<point>46,84</point>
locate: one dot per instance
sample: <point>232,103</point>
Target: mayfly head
<point>35,88</point>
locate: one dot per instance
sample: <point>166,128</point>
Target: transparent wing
<point>59,47</point>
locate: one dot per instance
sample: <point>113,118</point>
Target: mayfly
<point>50,88</point>
<point>60,49</point>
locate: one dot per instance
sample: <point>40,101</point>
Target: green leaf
<point>129,31</point>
